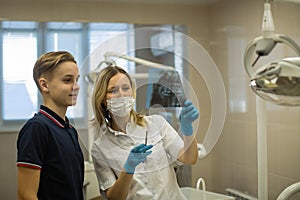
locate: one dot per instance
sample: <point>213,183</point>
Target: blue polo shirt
<point>50,144</point>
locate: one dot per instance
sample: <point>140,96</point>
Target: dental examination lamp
<point>279,81</point>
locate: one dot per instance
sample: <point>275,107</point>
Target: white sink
<point>196,194</point>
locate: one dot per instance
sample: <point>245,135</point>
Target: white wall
<point>196,18</point>
<point>224,29</point>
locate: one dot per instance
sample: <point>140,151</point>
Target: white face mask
<point>120,106</point>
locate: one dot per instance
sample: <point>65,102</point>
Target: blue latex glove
<point>189,113</point>
<point>136,156</point>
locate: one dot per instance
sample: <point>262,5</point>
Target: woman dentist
<point>133,154</point>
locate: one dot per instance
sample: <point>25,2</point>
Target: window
<point>19,54</point>
<point>22,42</point>
<point>20,45</point>
<point>104,35</point>
<point>68,36</point>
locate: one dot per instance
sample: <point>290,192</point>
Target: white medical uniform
<point>154,179</point>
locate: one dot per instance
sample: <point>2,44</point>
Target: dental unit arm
<point>91,77</point>
<point>137,60</point>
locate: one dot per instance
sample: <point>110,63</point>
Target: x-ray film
<point>165,89</point>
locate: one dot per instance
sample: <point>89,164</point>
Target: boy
<point>50,161</point>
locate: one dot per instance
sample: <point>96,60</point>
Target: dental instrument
<point>146,138</point>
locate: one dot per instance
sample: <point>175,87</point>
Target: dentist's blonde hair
<point>100,91</point>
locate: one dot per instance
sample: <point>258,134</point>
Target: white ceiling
<point>179,2</point>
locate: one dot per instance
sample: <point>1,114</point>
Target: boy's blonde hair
<point>47,62</point>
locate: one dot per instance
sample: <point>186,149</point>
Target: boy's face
<point>62,88</point>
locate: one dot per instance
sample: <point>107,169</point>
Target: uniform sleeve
<point>105,175</point>
<point>172,140</point>
<point>31,145</point>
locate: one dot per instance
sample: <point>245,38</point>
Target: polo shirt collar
<point>54,117</point>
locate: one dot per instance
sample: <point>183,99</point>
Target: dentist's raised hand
<point>136,156</point>
<point>188,115</point>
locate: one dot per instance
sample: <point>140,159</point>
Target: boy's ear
<point>43,84</point>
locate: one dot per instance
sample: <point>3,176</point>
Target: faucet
<point>289,191</point>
